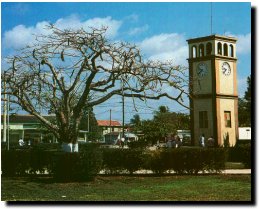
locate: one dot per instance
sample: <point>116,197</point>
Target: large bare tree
<point>65,71</point>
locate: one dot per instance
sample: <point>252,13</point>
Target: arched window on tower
<point>201,50</point>
<point>208,48</point>
<point>194,52</point>
<point>225,49</point>
<point>219,48</point>
<point>231,50</point>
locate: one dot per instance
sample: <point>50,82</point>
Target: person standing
<point>211,142</point>
<point>21,142</point>
<point>202,140</point>
<point>122,141</point>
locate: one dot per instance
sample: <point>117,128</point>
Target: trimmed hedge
<point>240,153</point>
<point>62,166</point>
<point>81,166</point>
<point>182,160</point>
<point>86,164</point>
<point>24,162</point>
<point>117,160</point>
<point>186,160</point>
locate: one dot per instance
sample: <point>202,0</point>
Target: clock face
<point>226,70</point>
<point>202,69</point>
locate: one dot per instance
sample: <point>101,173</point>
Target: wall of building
<point>112,129</point>
<point>202,85</point>
<point>202,105</point>
<point>225,84</point>
<point>227,105</point>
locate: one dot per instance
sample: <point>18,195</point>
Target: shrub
<point>240,153</point>
<point>63,166</point>
<point>81,166</point>
<point>158,160</point>
<point>86,164</point>
<point>215,159</point>
<point>140,144</point>
<point>47,146</point>
<point>117,160</point>
<point>112,160</point>
<point>132,159</point>
<point>40,161</point>
<point>185,160</point>
<point>24,162</point>
<point>15,162</point>
<point>246,155</point>
<point>188,160</point>
<point>88,146</point>
<point>8,163</point>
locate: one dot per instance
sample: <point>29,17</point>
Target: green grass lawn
<point>234,165</point>
<point>141,188</point>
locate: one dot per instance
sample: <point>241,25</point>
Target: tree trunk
<point>69,140</point>
<point>70,147</point>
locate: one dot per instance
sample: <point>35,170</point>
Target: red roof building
<point>112,123</point>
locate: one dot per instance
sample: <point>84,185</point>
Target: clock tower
<point>213,89</point>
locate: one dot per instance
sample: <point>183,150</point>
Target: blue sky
<point>160,29</point>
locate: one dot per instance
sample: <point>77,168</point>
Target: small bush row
<point>182,161</point>
<point>118,160</point>
<point>62,166</point>
<point>23,162</point>
<point>240,153</point>
<point>81,166</point>
<point>90,160</point>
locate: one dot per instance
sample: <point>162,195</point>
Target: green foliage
<point>158,161</point>
<point>81,166</point>
<point>86,164</point>
<point>135,123</point>
<point>248,91</point>
<point>40,161</point>
<point>186,160</point>
<point>95,132</point>
<point>140,144</point>
<point>24,162</point>
<point>117,160</point>
<point>62,166</point>
<point>226,140</point>
<point>150,131</point>
<point>163,123</point>
<point>240,153</point>
<point>244,113</point>
<point>181,160</point>
<point>244,106</point>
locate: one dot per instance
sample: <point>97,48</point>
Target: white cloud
<point>138,30</point>
<point>243,42</point>
<point>132,17</point>
<point>20,8</point>
<point>164,47</point>
<point>21,35</point>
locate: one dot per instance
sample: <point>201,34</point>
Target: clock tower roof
<point>212,37</point>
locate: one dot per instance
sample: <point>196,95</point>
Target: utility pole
<point>211,18</point>
<point>123,112</point>
<point>110,124</point>
<point>123,109</point>
<point>88,120</point>
<point>8,122</point>
<point>41,128</point>
<point>88,125</point>
<point>5,111</point>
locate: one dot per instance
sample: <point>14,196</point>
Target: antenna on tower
<point>211,18</point>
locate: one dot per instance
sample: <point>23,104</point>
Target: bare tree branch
<point>68,70</point>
